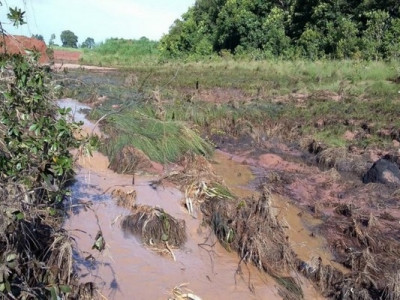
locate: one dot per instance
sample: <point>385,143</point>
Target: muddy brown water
<point>126,269</point>
<point>299,225</point>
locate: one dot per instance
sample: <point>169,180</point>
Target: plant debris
<point>155,227</point>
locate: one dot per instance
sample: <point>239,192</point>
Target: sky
<point>99,19</point>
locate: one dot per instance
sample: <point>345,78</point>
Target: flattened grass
<point>162,141</point>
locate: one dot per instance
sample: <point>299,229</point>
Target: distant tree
<point>88,43</point>
<point>69,39</point>
<point>38,37</point>
<point>52,38</point>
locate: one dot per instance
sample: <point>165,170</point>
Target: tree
<point>38,37</point>
<point>69,39</point>
<point>88,43</point>
<point>52,38</point>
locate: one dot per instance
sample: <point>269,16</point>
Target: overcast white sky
<point>99,19</point>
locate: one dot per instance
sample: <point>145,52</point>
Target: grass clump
<point>161,141</point>
<point>155,226</point>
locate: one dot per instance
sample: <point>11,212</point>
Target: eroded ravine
<point>126,269</point>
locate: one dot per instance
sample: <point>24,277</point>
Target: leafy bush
<point>36,136</point>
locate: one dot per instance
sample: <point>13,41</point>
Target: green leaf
<point>33,127</point>
<point>65,289</point>
<point>16,15</point>
<point>53,293</point>
<point>20,216</point>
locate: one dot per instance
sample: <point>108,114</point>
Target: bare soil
<point>17,44</point>
<point>359,222</point>
<point>63,56</point>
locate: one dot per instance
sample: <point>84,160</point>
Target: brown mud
<point>126,269</point>
<point>66,56</point>
<point>344,233</point>
<point>357,258</point>
<point>300,225</point>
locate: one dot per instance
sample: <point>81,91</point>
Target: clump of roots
<point>129,160</point>
<point>35,252</point>
<point>251,228</point>
<point>196,169</point>
<point>124,199</point>
<point>199,182</point>
<point>342,160</point>
<point>373,262</point>
<point>155,227</point>
<point>181,292</point>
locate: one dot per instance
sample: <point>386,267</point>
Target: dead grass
<point>251,228</point>
<point>342,160</point>
<point>125,199</point>
<point>155,227</point>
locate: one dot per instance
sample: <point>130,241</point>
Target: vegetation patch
<point>35,167</point>
<point>161,141</point>
<point>155,227</point>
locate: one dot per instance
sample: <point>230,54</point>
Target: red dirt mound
<point>18,44</point>
<point>66,56</point>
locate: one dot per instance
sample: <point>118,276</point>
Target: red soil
<point>18,44</point>
<point>66,56</point>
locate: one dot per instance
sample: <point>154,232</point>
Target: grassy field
<point>338,103</point>
<point>119,53</point>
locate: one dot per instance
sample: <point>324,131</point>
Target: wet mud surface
<point>327,217</point>
<point>126,269</point>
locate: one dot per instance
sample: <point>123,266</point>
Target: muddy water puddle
<point>126,269</point>
<point>301,227</point>
<point>78,115</point>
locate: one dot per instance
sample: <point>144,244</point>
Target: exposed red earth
<point>66,56</point>
<point>15,44</point>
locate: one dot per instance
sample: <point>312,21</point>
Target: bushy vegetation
<point>35,167</point>
<point>121,52</point>
<point>290,29</point>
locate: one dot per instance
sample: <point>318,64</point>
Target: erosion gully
<point>128,270</point>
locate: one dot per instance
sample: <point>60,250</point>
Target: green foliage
<point>120,52</point>
<point>162,141</point>
<point>16,16</point>
<point>373,39</point>
<point>35,136</point>
<point>38,37</point>
<point>310,29</point>
<point>69,39</point>
<point>88,43</point>
<point>52,38</point>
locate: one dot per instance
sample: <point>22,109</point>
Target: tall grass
<point>267,96</point>
<point>121,52</point>
<point>162,141</point>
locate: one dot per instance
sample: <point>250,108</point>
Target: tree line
<point>288,28</point>
<point>68,39</point>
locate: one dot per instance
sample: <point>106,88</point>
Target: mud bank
<point>344,232</point>
<point>126,269</point>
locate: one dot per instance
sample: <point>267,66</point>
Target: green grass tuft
<point>162,141</point>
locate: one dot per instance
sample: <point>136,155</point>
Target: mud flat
<point>128,270</point>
